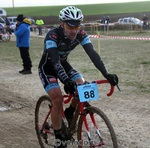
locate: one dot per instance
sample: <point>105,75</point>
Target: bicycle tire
<point>107,138</point>
<point>45,132</point>
<point>46,139</point>
<point>6,37</point>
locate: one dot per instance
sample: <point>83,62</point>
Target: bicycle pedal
<point>44,135</point>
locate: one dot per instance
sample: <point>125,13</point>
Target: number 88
<point>89,94</point>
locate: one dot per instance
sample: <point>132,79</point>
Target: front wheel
<point>98,132</point>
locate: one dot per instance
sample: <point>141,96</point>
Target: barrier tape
<point>116,37</point>
<point>94,36</point>
<point>119,37</point>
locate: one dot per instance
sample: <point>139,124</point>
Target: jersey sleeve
<point>83,38</point>
<point>88,47</point>
<point>95,58</point>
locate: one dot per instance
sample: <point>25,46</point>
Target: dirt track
<point>129,113</point>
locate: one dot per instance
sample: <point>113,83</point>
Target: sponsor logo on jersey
<point>52,80</point>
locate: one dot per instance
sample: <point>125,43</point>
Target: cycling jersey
<point>57,47</point>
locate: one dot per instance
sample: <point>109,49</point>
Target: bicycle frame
<point>80,108</point>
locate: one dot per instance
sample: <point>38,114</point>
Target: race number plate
<point>88,92</point>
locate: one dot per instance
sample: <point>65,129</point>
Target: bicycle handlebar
<point>98,82</point>
<point>103,82</point>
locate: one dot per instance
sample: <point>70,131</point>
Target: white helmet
<point>71,13</point>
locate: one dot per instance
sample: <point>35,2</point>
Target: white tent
<point>3,12</point>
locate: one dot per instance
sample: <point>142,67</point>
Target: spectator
<point>22,33</point>
<point>107,21</point>
<point>39,23</point>
<point>103,23</point>
<point>145,22</point>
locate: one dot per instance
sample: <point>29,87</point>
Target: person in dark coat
<point>22,33</point>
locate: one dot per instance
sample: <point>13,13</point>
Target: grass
<point>129,59</point>
<point>114,8</point>
<point>145,62</point>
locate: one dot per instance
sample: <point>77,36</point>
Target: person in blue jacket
<point>22,34</point>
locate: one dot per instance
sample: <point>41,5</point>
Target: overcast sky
<point>22,3</point>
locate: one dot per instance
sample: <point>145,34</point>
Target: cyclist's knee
<point>57,102</point>
<point>56,96</point>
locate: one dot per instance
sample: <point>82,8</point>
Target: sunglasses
<point>72,27</point>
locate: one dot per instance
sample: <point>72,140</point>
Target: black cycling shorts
<point>49,77</point>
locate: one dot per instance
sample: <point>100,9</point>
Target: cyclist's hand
<point>70,86</point>
<point>112,79</point>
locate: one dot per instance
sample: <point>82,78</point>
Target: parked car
<point>130,21</point>
<point>12,20</point>
<point>3,12</point>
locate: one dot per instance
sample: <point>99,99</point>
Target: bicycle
<point>92,126</point>
<point>5,35</point>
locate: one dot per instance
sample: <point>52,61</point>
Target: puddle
<point>10,105</point>
<point>3,109</point>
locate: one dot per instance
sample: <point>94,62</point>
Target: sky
<point>26,3</point>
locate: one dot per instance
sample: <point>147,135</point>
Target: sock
<point>58,134</point>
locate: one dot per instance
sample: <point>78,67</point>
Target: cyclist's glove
<point>70,86</point>
<point>112,79</point>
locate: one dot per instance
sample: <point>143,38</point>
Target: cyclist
<point>58,43</point>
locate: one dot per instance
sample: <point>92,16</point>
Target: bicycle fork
<point>92,117</point>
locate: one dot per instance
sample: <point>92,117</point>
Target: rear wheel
<point>43,125</point>
<point>100,134</point>
<point>5,35</point>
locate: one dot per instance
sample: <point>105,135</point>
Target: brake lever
<point>118,87</point>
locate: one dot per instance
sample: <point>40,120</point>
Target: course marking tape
<point>94,36</point>
<point>119,37</point>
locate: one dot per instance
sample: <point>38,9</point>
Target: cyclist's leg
<point>51,86</point>
<point>78,78</point>
<point>56,113</point>
<point>56,116</point>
